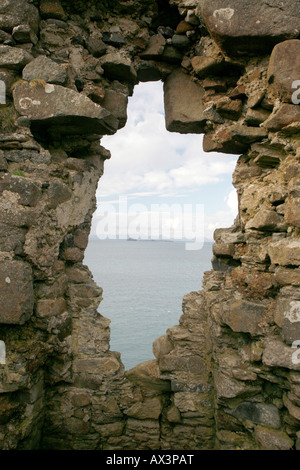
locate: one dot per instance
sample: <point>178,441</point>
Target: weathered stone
<point>148,72</point>
<point>172,55</point>
<point>150,408</point>
<point>259,413</point>
<point>147,375</point>
<point>100,366</point>
<point>287,316</point>
<point>61,108</point>
<point>252,27</point>
<point>173,414</point>
<point>286,114</point>
<point>277,354</point>
<point>52,9</point>
<point>284,69</point>
<point>50,307</point>
<point>267,220</point>
<point>228,387</point>
<point>292,212</point>
<point>181,42</point>
<point>28,191</point>
<point>114,39</point>
<point>285,252</point>
<point>16,12</point>
<point>161,346</point>
<point>118,67</point>
<point>245,317</point>
<point>172,362</point>
<point>183,27</point>
<point>229,109</point>
<point>155,48</point>
<point>183,104</point>
<point>287,276</point>
<point>271,439</point>
<point>58,193</point>
<point>45,69</point>
<point>17,289</point>
<point>204,66</point>
<point>96,47</point>
<point>116,103</point>
<point>13,58</point>
<point>254,117</point>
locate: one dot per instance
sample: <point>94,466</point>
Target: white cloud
<point>145,157</point>
<point>147,161</point>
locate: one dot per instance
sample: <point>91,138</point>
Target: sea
<point>143,284</point>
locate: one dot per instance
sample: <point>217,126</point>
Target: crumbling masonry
<point>226,377</point>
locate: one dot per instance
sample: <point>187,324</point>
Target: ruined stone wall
<point>226,377</point>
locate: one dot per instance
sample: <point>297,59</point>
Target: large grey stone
<point>16,12</point>
<point>16,292</point>
<point>183,101</point>
<point>66,111</point>
<point>251,26</point>
<point>259,413</point>
<point>13,58</point>
<point>45,69</point>
<point>284,69</point>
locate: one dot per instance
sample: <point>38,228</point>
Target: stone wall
<point>226,377</point>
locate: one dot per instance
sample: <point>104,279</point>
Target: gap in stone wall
<point>157,185</point>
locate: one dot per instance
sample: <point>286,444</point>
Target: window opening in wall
<point>159,201</point>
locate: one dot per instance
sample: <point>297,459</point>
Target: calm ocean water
<point>143,284</point>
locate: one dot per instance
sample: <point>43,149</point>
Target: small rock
<point>229,109</point>
<point>179,41</point>
<point>282,117</point>
<point>183,27</point>
<point>96,47</point>
<point>118,67</point>
<point>52,9</point>
<point>113,39</point>
<point>13,57</point>
<point>165,31</point>
<point>155,48</point>
<point>254,117</point>
<point>204,66</point>
<point>23,33</point>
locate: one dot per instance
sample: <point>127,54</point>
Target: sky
<point>158,184</point>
